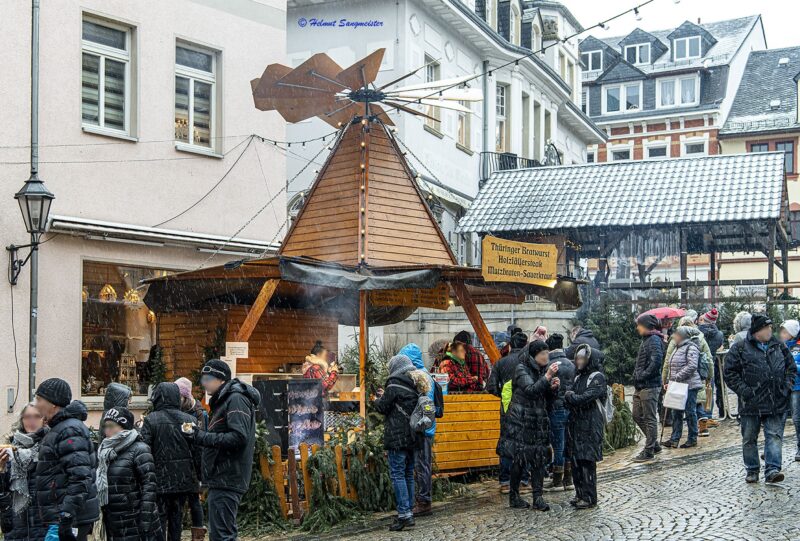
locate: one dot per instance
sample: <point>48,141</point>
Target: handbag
<point>676,396</point>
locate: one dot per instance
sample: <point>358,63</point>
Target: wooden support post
<point>713,274</point>
<point>294,492</point>
<point>256,311</point>
<point>341,479</point>
<point>307,489</point>
<point>684,260</point>
<point>785,261</point>
<point>771,256</point>
<point>363,348</point>
<point>476,320</point>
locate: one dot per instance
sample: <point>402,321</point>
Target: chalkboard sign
<point>306,412</point>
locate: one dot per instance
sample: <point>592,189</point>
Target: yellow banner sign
<point>438,297</point>
<point>508,261</point>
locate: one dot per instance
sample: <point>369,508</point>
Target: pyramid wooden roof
<point>365,207</point>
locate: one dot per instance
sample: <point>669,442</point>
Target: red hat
<point>711,316</point>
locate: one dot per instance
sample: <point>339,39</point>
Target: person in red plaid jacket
<point>316,367</point>
<point>476,364</point>
<point>456,368</point>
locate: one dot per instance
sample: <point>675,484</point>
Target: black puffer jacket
<point>647,370</point>
<point>762,380</point>
<point>525,434</point>
<point>231,437</point>
<point>132,512</point>
<point>117,396</point>
<point>401,392</point>
<point>586,421</point>
<point>566,375</point>
<point>584,336</point>
<point>503,371</point>
<point>172,452</point>
<point>714,337</point>
<point>65,471</point>
<point>27,525</point>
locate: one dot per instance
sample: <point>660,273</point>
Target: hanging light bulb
<point>637,14</point>
<point>151,317</point>
<point>108,293</point>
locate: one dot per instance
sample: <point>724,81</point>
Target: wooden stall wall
<point>282,336</point>
<point>466,437</point>
<point>184,337</point>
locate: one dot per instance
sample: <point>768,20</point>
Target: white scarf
<point>106,454</point>
<point>26,453</point>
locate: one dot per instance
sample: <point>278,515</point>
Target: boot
<point>539,504</point>
<point>198,534</point>
<point>422,509</point>
<point>515,502</point>
<point>556,484</point>
<point>702,427</point>
<point>568,476</point>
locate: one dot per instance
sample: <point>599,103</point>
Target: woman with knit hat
<point>194,408</point>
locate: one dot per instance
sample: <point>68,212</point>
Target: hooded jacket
<point>741,326</point>
<point>525,432</point>
<point>683,364</point>
<point>117,396</point>
<point>714,337</point>
<point>401,393</point>
<point>794,349</point>
<point>413,352</point>
<point>584,336</point>
<point>26,525</point>
<point>131,513</point>
<point>173,454</point>
<point>649,359</point>
<point>229,443</point>
<point>762,380</point>
<point>65,472</point>
<point>566,374</point>
<point>586,421</point>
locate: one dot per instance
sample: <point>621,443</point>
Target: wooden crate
<point>466,437</point>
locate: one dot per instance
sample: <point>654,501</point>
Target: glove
<point>7,523</point>
<point>65,529</point>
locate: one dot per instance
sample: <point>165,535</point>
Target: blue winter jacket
<point>794,349</point>
<point>413,352</point>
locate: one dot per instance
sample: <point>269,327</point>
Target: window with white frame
<point>622,98</point>
<point>593,60</point>
<point>620,154</point>
<point>464,125</point>
<point>695,147</point>
<point>501,109</point>
<point>433,72</point>
<point>638,54</point>
<point>585,100</point>
<point>686,48</point>
<point>105,76</point>
<point>514,26</point>
<point>678,91</point>
<point>590,156</point>
<point>195,95</point>
<point>656,151</point>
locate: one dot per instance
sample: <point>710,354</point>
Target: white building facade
<point>146,116</point>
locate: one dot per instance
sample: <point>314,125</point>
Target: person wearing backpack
<point>398,402</point>
<point>682,368</point>
<point>586,400</point>
<point>423,466</point>
<point>790,330</point>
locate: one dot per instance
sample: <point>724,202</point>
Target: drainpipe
<point>485,81</point>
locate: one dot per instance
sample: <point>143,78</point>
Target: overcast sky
<point>780,16</point>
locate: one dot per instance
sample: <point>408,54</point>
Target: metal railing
<point>502,161</point>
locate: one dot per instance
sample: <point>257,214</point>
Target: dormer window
<point>593,60</point>
<point>638,54</point>
<point>686,48</point>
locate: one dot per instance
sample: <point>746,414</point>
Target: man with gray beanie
<point>403,387</point>
<point>228,446</point>
<point>66,493</point>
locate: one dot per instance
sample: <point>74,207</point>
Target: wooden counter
<point>466,437</point>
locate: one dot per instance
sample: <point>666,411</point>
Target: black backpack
<point>438,400</point>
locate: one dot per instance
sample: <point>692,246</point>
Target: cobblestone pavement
<point>694,497</point>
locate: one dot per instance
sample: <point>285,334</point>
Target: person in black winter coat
<point>715,339</point>
<point>173,454</point>
<point>117,396</point>
<point>586,425</point>
<point>525,437</point>
<point>396,402</point>
<point>647,383</point>
<point>582,336</point>
<point>761,371</point>
<point>559,416</point>
<point>126,481</point>
<point>228,446</point>
<point>193,407</point>
<point>20,518</point>
<point>65,472</point>
<point>502,373</point>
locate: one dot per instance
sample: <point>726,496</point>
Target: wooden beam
<point>250,322</point>
<point>684,269</point>
<point>771,255</point>
<point>474,316</point>
<point>713,274</point>
<point>363,348</point>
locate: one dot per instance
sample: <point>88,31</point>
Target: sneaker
<point>505,489</point>
<point>583,504</point>
<point>704,433</point>
<point>774,477</point>
<point>540,505</point>
<point>797,456</point>
<point>644,456</point>
<point>518,503</point>
<point>574,501</point>
<point>657,449</point>
<point>398,524</point>
<point>422,509</point>
<point>689,444</point>
<point>669,444</point>
<point>752,477</point>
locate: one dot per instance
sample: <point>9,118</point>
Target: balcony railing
<point>502,161</point>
